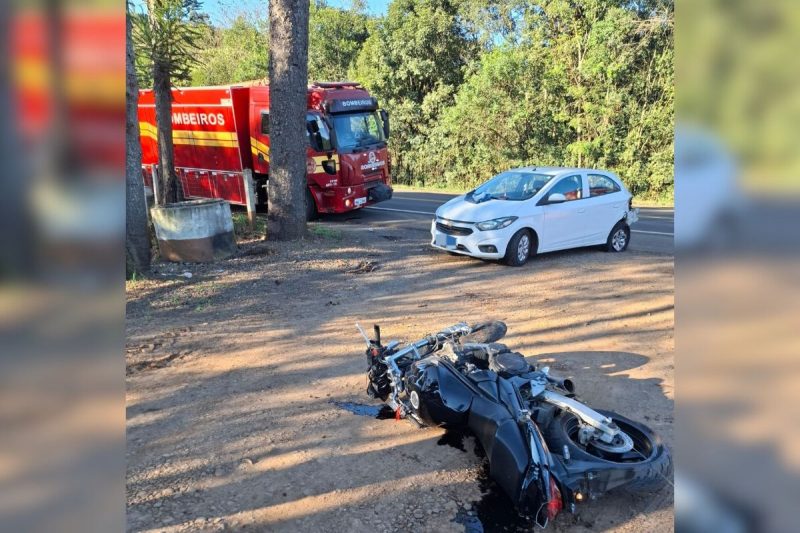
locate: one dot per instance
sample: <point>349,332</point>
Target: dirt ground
<point>232,374</point>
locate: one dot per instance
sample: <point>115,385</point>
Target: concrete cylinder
<point>195,231</point>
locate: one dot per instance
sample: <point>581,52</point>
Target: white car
<point>524,211</point>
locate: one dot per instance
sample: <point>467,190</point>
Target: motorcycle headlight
<point>497,223</point>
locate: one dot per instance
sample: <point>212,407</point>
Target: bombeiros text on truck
<point>220,134</point>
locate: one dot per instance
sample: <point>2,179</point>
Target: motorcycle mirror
<point>364,334</point>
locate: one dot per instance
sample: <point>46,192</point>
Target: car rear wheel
<point>619,238</point>
<point>519,248</point>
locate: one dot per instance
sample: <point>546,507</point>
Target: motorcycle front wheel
<point>649,461</point>
<point>486,332</point>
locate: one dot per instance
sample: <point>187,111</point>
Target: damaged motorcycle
<point>547,451</point>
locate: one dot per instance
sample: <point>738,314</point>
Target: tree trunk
<point>137,239</point>
<point>288,81</point>
<point>162,87</point>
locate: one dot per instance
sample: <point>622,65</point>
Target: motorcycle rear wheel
<point>649,460</point>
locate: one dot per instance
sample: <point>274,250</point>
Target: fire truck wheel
<point>311,207</point>
<point>261,196</point>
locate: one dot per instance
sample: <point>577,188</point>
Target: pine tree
<point>166,34</point>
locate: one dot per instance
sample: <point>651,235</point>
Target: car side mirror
<point>385,120</point>
<point>556,198</point>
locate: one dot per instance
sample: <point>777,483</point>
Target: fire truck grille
<point>452,230</point>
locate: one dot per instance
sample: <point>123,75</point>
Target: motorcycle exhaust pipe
<point>566,384</point>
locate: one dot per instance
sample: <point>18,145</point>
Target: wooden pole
<point>250,196</point>
<point>156,192</point>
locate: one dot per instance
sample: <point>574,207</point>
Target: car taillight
<point>555,504</point>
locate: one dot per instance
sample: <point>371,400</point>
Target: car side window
<point>600,185</point>
<point>265,122</point>
<point>571,187</point>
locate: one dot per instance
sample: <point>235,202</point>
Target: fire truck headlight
<point>347,202</point>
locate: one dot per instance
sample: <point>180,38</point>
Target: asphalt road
<point>414,210</point>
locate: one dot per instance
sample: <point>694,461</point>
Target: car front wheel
<point>519,248</point>
<point>619,238</point>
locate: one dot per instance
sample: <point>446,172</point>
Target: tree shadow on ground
<point>246,417</point>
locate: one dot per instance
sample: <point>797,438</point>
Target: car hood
<point>460,209</point>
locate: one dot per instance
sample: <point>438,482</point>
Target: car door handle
<point>581,210</point>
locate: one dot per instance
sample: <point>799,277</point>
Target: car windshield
<point>511,185</point>
<point>355,130</point>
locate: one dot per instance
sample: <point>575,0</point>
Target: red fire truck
<point>222,133</point>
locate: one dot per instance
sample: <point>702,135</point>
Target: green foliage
<point>414,61</point>
<point>477,86</point>
<point>166,36</point>
<point>325,232</point>
<point>240,51</point>
<point>335,39</point>
<point>242,229</point>
<point>234,54</point>
<point>578,83</point>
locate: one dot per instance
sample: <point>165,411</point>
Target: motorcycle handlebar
<point>453,332</point>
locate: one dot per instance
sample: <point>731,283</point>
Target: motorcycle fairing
<point>491,408</point>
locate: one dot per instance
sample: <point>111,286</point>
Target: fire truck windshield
<point>357,130</point>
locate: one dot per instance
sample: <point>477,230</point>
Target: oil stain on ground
<point>453,438</point>
<point>381,412</point>
<point>493,512</point>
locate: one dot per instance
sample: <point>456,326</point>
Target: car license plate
<point>447,241</point>
<point>360,201</point>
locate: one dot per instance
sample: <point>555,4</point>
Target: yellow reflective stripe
<point>215,135</point>
<point>261,147</point>
<point>207,142</point>
<point>148,130</point>
<point>256,152</point>
<point>220,139</point>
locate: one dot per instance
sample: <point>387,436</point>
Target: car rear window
<point>600,185</point>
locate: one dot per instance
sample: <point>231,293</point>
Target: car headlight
<point>497,223</point>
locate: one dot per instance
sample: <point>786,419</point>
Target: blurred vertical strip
<point>737,193</point>
<point>62,450</point>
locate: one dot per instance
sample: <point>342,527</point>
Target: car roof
<point>560,170</point>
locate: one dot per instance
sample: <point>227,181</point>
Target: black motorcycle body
<point>546,450</point>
